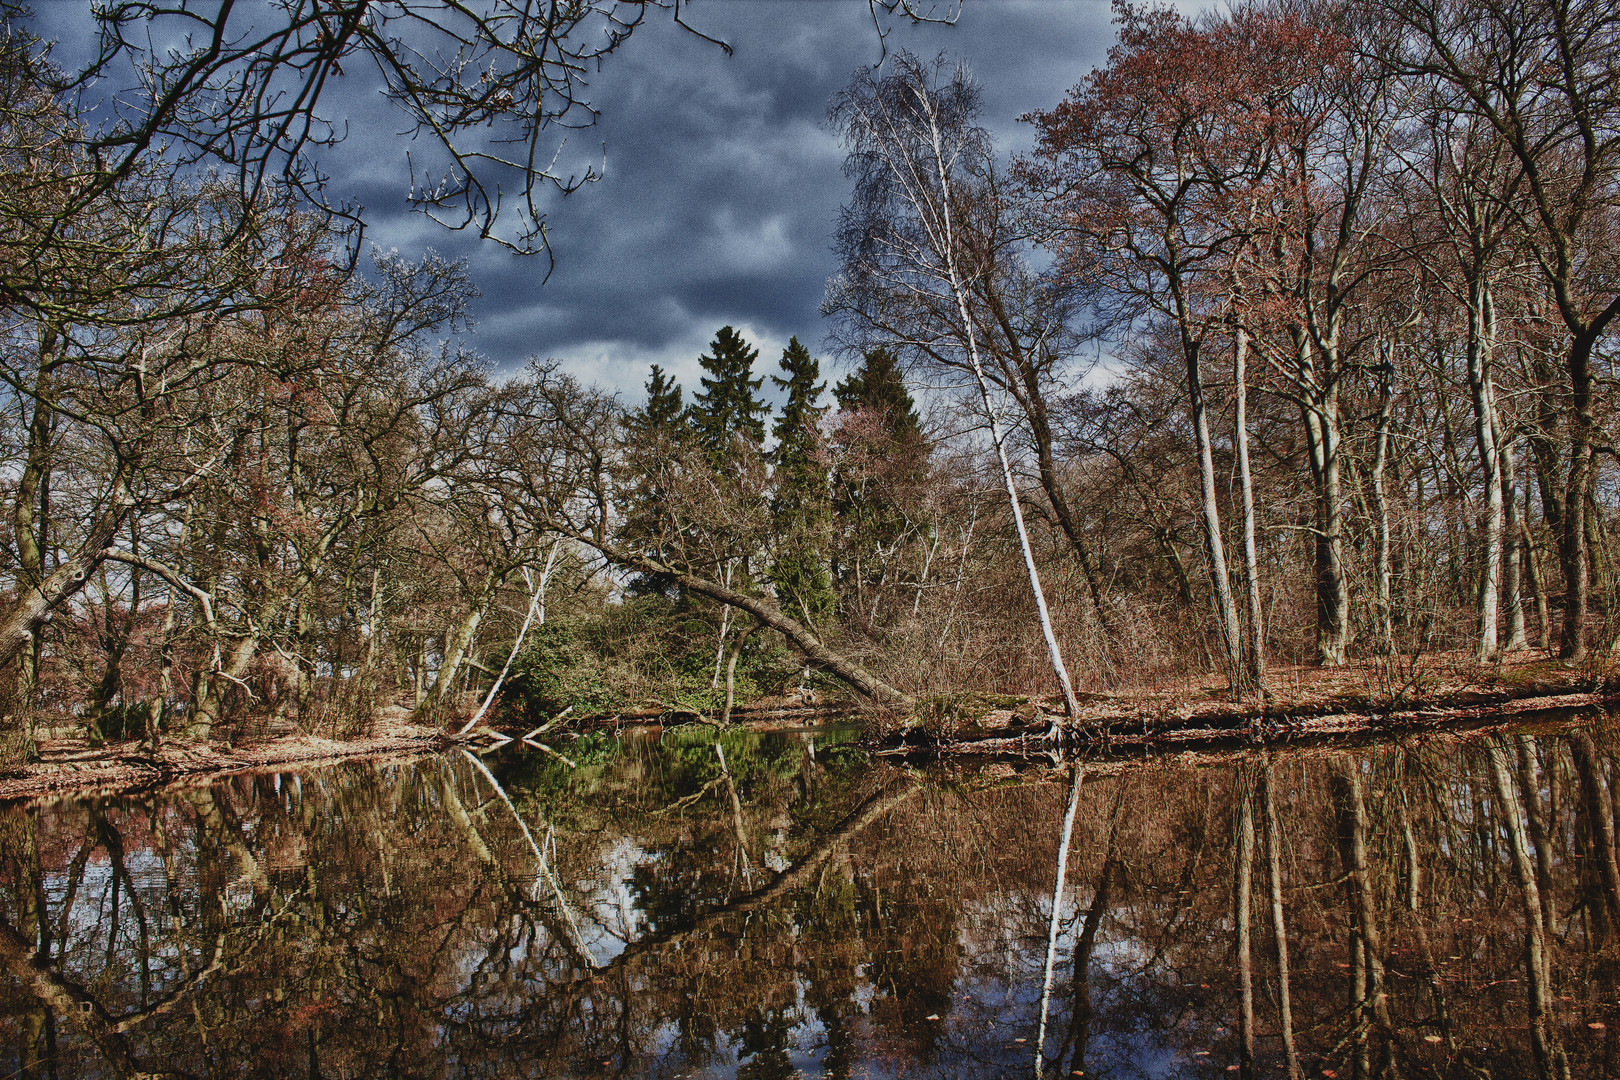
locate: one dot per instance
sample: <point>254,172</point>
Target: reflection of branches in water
<point>543,871</point>
<point>1057,916</point>
<point>398,915</point>
<point>798,875</point>
<point>32,964</point>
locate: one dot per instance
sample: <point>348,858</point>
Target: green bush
<point>557,670</point>
<point>647,649</point>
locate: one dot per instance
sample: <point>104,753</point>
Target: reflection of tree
<point>397,920</point>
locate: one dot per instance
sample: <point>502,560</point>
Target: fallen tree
<point>806,640</point>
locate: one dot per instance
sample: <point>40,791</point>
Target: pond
<point>779,905</point>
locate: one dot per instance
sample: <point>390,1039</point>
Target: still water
<point>767,906</point>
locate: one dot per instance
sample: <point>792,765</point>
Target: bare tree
<point>919,162</point>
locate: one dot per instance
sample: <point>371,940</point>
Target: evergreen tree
<point>653,437</point>
<point>795,430</point>
<point>801,507</point>
<point>728,407</point>
<point>883,469</point>
<point>662,413</point>
<point>877,386</point>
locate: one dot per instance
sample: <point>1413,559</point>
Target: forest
<point>1289,342</point>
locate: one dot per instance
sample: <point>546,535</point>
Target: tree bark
<point>1481,339</point>
<point>1512,558</point>
<point>30,609</point>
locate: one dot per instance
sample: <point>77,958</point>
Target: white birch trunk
<point>959,290</point>
<point>1481,338</point>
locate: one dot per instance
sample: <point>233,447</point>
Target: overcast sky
<point>722,182</point>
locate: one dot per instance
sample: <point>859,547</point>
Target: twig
<point>570,762</point>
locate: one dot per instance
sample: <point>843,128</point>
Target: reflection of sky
<point>493,965</point>
<point>609,903</point>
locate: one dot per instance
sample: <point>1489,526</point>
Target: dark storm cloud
<point>722,184</point>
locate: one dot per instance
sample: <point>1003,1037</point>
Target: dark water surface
<point>783,905</point>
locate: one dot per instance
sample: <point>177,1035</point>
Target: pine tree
<point>877,386</point>
<point>801,507</point>
<point>727,407</point>
<point>795,429</point>
<point>884,467</point>
<point>662,413</point>
<point>653,437</point>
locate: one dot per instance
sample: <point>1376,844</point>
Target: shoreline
<point>67,768</point>
<point>1194,718</point>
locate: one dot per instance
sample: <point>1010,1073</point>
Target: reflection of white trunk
<point>1536,965</point>
<point>1242,895</point>
<point>537,612</point>
<point>545,873</point>
<point>1273,838</point>
<point>1057,916</point>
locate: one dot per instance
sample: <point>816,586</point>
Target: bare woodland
<point>1291,341</point>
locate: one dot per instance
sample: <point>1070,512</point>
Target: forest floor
<point>1305,704</point>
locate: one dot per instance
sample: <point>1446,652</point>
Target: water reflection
<point>780,906</point>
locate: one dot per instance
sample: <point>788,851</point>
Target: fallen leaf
<point>1598,1025</point>
<point>1431,1038</point>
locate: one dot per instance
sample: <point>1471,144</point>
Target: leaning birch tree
<point>918,161</point>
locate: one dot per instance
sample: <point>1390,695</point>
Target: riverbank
<point>1304,705</point>
<point>69,767</point>
<point>1300,703</point>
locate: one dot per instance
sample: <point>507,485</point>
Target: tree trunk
<point>856,677</point>
<point>1226,615</point>
<point>731,672</point>
<point>1332,582</point>
<point>1251,560</point>
<point>1385,572</point>
<point>1480,344</point>
<point>28,611</point>
<point>1512,561</point>
<point>1573,553</point>
<point>456,645</point>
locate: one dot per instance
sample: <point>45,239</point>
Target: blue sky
<point>722,183</point>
